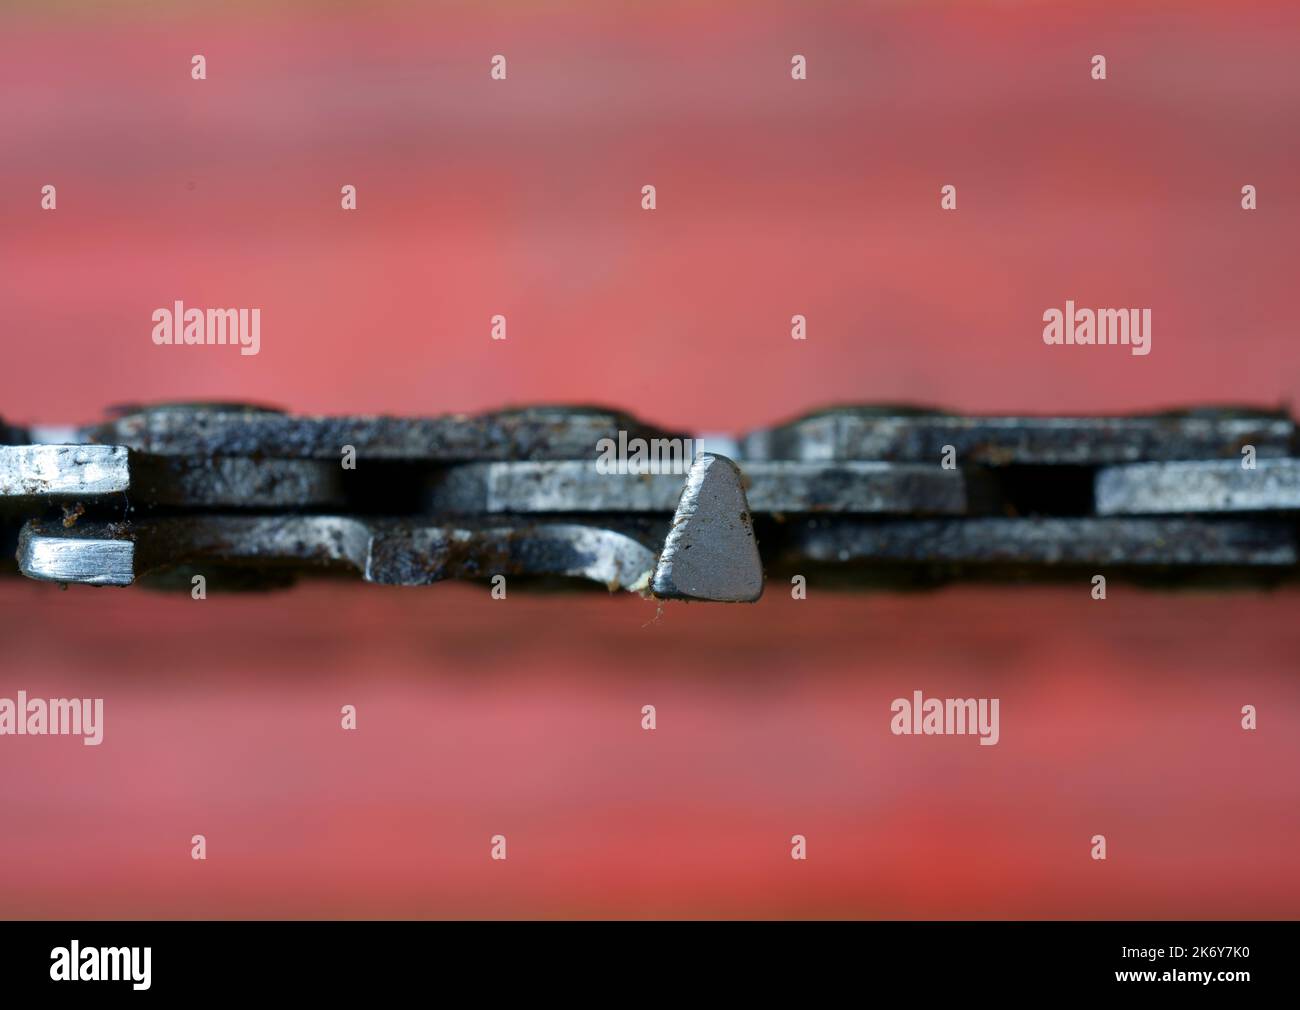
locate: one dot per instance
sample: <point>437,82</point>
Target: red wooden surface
<point>775,197</point>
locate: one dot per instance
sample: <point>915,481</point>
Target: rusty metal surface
<point>772,486</point>
<point>907,434</point>
<point>58,471</point>
<point>1051,542</point>
<point>529,492</point>
<point>233,430</point>
<point>1270,485</point>
<point>396,552</point>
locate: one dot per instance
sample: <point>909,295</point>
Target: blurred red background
<point>775,197</point>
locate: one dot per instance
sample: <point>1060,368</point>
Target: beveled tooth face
<point>710,553</point>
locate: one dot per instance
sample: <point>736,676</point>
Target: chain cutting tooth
<point>710,552</point>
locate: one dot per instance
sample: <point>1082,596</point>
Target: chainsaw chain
<point>876,495</point>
